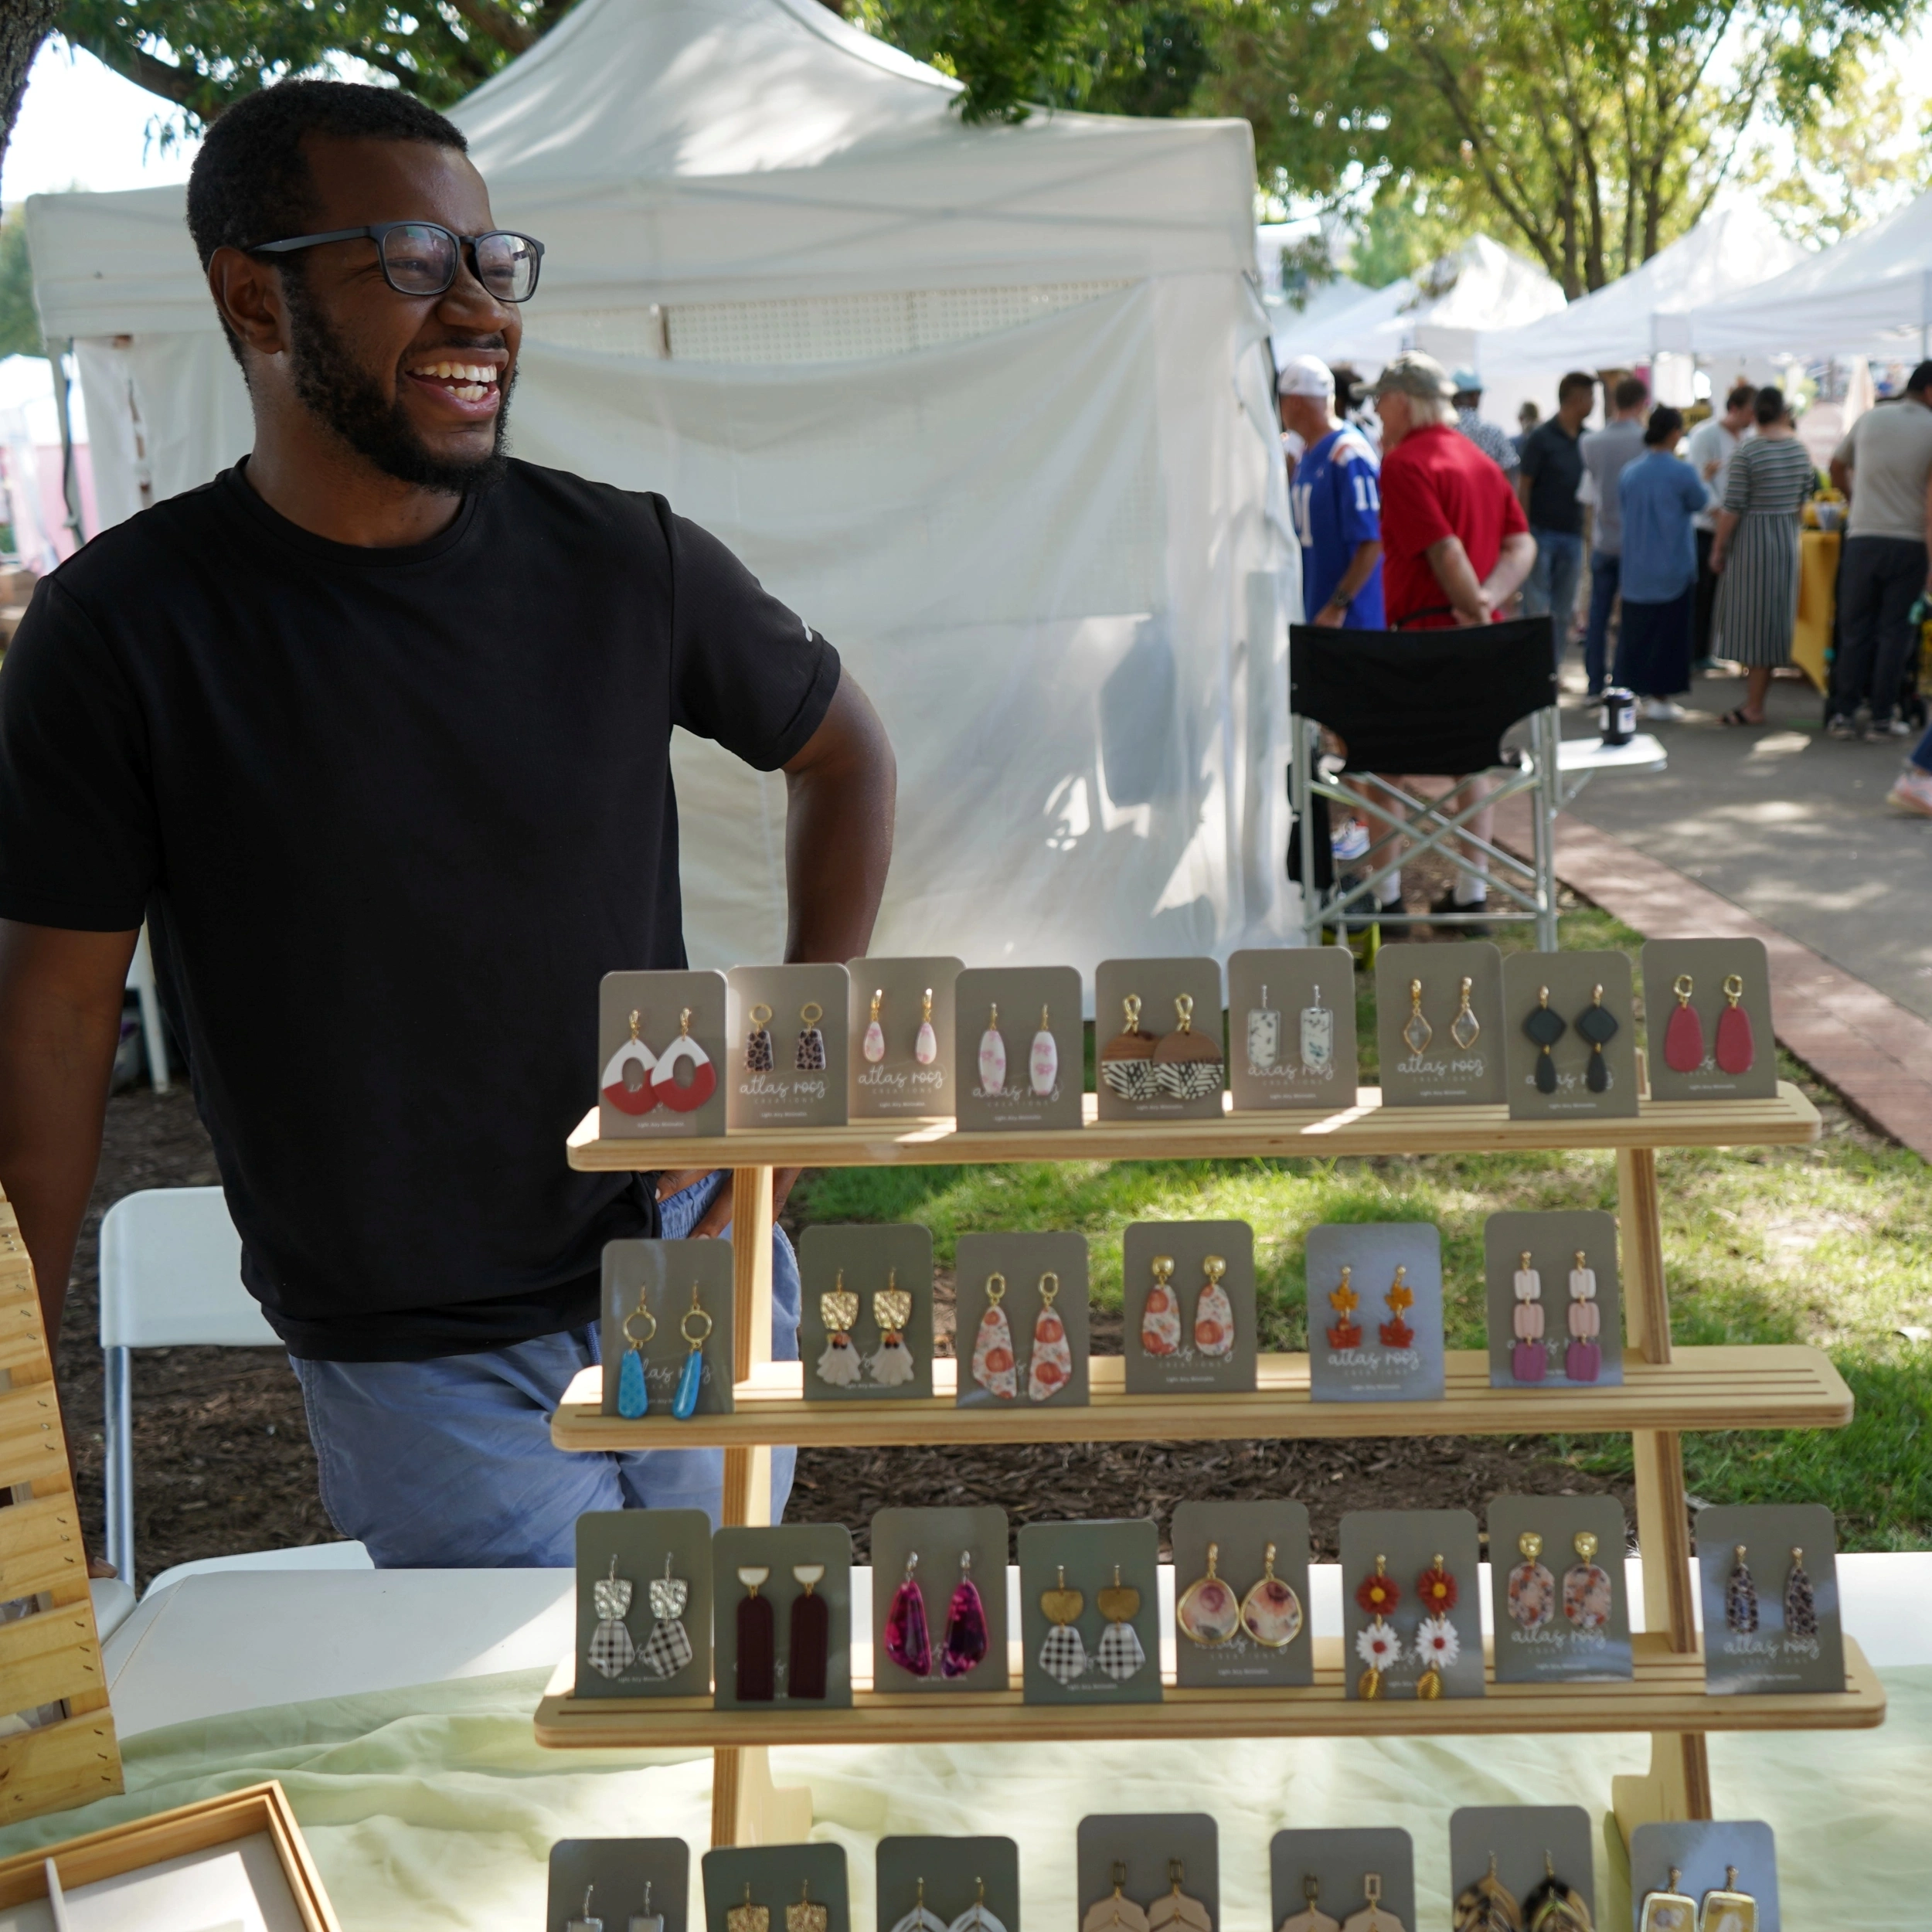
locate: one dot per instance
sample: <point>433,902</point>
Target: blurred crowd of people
<point>1413,509</point>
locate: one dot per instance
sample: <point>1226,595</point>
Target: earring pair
<point>640,1327</point>
<point>804,1914</point>
<point>808,1057</point>
<point>841,1365</point>
<point>1207,1613</point>
<point>1213,1312</point>
<point>1595,1023</point>
<point>635,1079</point>
<point>1684,1032</point>
<point>925,1042</point>
<point>1465,1029</point>
<point>1043,1063</point>
<point>995,1366</point>
<point>963,1646</point>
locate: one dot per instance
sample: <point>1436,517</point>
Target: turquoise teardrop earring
<point>634,1394</point>
<point>684,1404</point>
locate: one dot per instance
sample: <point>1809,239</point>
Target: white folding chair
<point>171,1277</point>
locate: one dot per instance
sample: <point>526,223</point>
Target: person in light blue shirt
<point>1658,497</point>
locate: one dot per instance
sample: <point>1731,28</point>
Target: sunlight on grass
<point>1827,1244</point>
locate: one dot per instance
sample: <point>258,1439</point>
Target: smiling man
<point>374,730</point>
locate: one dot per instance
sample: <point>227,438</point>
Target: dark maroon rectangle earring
<point>757,1641</point>
<point>811,1636</point>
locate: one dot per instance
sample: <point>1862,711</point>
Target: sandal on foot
<point>1738,717</point>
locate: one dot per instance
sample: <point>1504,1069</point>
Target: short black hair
<point>1742,397</point>
<point>1919,378</point>
<point>250,181</point>
<point>1771,406</point>
<point>1577,379</point>
<point>1665,424</point>
<point>1630,391</point>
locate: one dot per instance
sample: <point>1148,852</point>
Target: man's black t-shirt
<point>1552,459</point>
<point>391,814</point>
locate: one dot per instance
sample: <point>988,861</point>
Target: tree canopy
<point>1589,133</point>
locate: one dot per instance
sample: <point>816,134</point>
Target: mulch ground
<point>223,1462</point>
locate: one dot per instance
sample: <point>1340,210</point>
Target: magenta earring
<point>963,1649</point>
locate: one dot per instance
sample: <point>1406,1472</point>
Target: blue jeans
<point>448,1465</point>
<point>1551,591</point>
<point>1606,573</point>
<point>1922,756</point>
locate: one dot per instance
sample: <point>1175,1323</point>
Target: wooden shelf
<point>1666,1694</point>
<point>1786,1119</point>
<point>1773,1387</point>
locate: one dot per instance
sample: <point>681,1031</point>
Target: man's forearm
<point>60,995</point>
<point>1514,562</point>
<point>1449,564</point>
<point>1360,568</point>
<point>840,794</point>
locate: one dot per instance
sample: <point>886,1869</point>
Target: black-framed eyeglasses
<point>420,257</point>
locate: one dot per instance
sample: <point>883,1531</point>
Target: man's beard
<point>335,388</point>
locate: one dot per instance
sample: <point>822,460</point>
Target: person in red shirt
<point>1456,548</point>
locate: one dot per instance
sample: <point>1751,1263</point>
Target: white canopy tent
<point>1870,294</point>
<point>1645,313</point>
<point>990,406</point>
<point>1442,309</point>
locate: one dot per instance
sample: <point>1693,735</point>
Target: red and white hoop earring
<point>684,1051</point>
<point>632,1062</point>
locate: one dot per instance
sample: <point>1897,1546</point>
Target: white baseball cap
<point>1306,375</point>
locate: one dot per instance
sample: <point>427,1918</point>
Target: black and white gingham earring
<point>611,1649</point>
<point>667,1649</point>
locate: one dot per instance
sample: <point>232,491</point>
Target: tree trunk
<point>24,24</point>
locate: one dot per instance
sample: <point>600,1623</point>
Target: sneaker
<point>1351,842</point>
<point>1912,792</point>
<point>1839,725</point>
<point>1893,726</point>
<point>1664,711</point>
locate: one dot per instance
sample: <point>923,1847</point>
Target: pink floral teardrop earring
<point>925,1044</point>
<point>874,1044</point>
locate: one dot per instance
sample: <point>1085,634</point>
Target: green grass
<point>1830,1244</point>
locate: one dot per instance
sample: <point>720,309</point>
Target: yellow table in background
<point>1817,601</point>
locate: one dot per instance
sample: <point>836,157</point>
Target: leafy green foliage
<point>1596,130</point>
<point>19,325</point>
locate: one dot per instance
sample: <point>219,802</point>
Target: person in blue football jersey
<point>1337,502</point>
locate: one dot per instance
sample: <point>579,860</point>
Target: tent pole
<point>69,475</point>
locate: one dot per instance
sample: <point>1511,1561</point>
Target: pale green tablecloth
<point>434,1807</point>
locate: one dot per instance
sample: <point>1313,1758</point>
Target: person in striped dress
<point>1755,551</point>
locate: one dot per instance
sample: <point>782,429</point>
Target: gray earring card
<point>787,1027</point>
<point>1010,1070</point>
<point>1553,1241</point>
<point>688,1102</point>
<point>1094,1663</point>
<point>1169,1085</point>
<point>648,1287</point>
<point>1704,1852</point>
<point>1241,1533</point>
<point>1709,1073</point>
<point>1793,1647</point>
<point>1044,1368</point>
<point>1142,1848</point>
<point>1291,1042</point>
<point>957,1873</point>
<point>1181,1340</point>
<point>1339,1862</point>
<point>778,1875</point>
<point>1410,1541</point>
<point>1560,1617</point>
<point>1375,1352</point>
<point>951,1545</point>
<point>1572,979</point>
<point>1526,1840</point>
<point>660,1646</point>
<point>1443,1071</point>
<point>781,1548</point>
<point>865,1261</point>
<point>628,1878</point>
<point>899,1085</point>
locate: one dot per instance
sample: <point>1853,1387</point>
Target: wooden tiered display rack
<point>1665,1391</point>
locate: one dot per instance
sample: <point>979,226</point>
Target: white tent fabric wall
<point>1870,294</point>
<point>991,407</point>
<point>1645,315</point>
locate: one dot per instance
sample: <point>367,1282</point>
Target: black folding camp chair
<point>1423,704</point>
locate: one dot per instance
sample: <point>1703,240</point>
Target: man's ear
<point>248,295</point>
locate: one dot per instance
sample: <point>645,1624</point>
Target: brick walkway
<point>1873,1050</point>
